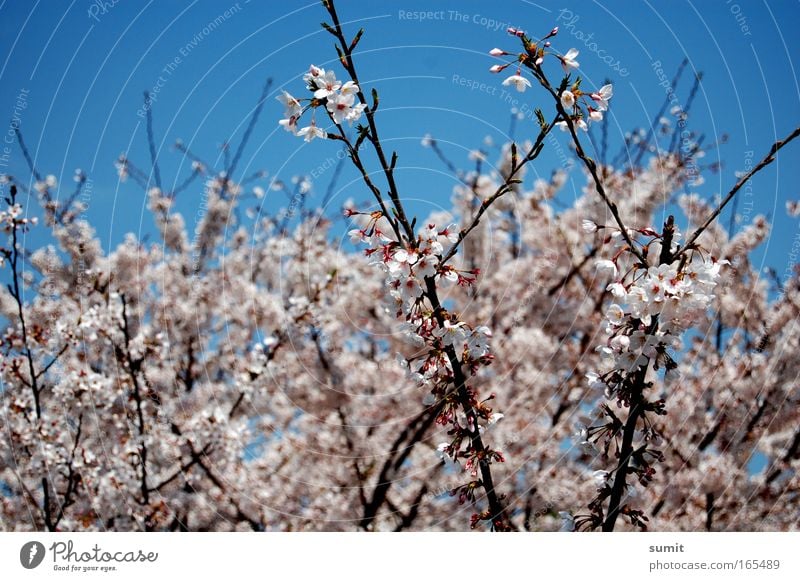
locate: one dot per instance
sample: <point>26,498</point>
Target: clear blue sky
<point>85,65</point>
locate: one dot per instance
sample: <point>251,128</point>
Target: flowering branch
<point>653,304</point>
<point>414,265</point>
<point>532,59</point>
<point>13,223</point>
<point>590,164</point>
<point>345,51</point>
<point>132,366</point>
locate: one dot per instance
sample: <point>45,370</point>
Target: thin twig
<point>26,154</point>
<point>347,62</point>
<point>151,139</point>
<point>590,164</point>
<point>250,126</point>
<point>504,188</point>
<point>768,159</point>
<point>667,100</point>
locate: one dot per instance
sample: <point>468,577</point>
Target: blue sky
<point>83,66</point>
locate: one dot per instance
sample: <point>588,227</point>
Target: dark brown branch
<point>362,497</point>
<point>412,433</point>
<point>504,188</point>
<point>133,366</point>
<point>626,451</point>
<point>709,510</point>
<point>709,438</point>
<point>240,514</point>
<point>499,518</point>
<point>194,459</point>
<point>573,271</point>
<point>768,159</point>
<point>48,519</point>
<point>53,361</point>
<point>347,61</point>
<point>407,519</point>
<point>16,292</point>
<point>148,105</point>
<point>73,479</point>
<point>376,192</point>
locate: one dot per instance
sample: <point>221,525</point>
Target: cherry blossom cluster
<point>650,310</point>
<point>11,221</point>
<point>407,268</point>
<point>338,100</point>
<point>651,307</point>
<point>266,375</point>
<point>10,218</point>
<point>241,371</point>
<point>573,100</point>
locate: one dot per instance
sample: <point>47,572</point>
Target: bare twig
<point>151,140</point>
<point>667,100</point>
<point>26,154</point>
<point>504,188</point>
<point>768,159</point>
<point>250,126</point>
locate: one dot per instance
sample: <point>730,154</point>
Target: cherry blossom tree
<point>511,364</point>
